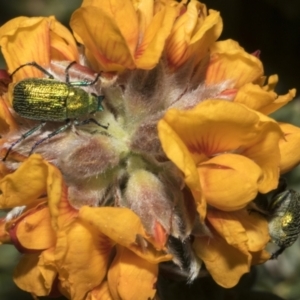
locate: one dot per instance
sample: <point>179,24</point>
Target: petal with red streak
<point>124,227</point>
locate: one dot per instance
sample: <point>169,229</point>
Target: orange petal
<point>31,275</point>
<point>62,43</point>
<point>225,263</point>
<point>254,96</point>
<point>229,61</point>
<point>7,122</point>
<point>37,39</point>
<point>258,98</point>
<point>193,33</point>
<point>260,257</point>
<point>150,49</point>
<point>265,152</point>
<point>216,126</point>
<point>4,235</point>
<point>62,213</point>
<point>129,273</point>
<point>229,181</point>
<point>124,227</point>
<point>34,231</point>
<point>113,50</point>
<point>244,231</point>
<point>176,150</point>
<point>24,40</point>
<point>26,184</point>
<point>100,293</point>
<point>289,147</point>
<point>82,256</point>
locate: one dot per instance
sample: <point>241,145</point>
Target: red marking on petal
<point>256,53</point>
<point>160,234</point>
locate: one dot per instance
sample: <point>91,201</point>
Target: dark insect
<point>282,211</point>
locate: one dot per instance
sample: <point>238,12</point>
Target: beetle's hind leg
<point>23,137</point>
<point>57,131</point>
<point>33,64</point>
<point>90,120</point>
<point>277,252</point>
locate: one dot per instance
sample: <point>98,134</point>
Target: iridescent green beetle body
<point>51,100</point>
<point>284,219</point>
<point>281,208</point>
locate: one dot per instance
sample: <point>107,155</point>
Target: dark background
<point>271,26</point>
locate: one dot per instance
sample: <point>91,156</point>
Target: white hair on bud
<point>14,213</point>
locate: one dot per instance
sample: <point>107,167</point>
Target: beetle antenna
<point>33,64</point>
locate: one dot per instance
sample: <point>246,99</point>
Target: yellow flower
<point>193,33</point>
<point>218,142</point>
<point>162,175</point>
<point>91,233</point>
<point>41,39</point>
<point>129,34</point>
<point>239,242</point>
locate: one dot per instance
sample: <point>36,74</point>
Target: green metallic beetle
<point>282,210</point>
<point>50,100</point>
<point>284,220</point>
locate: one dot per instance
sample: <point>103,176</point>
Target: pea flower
<point>163,176</point>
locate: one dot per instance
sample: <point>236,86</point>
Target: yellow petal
<point>265,152</point>
<point>244,231</point>
<point>62,43</point>
<point>4,235</point>
<point>216,126</point>
<point>34,229</point>
<point>229,61</point>
<point>205,36</point>
<point>254,96</point>
<point>123,227</point>
<point>37,39</point>
<point>177,151</point>
<point>150,49</point>
<point>279,102</point>
<point>7,122</point>
<point>100,293</point>
<point>33,277</point>
<point>192,34</point>
<point>26,184</point>
<point>260,257</point>
<point>129,274</point>
<point>146,8</point>
<point>289,147</point>
<point>82,256</point>
<point>229,181</point>
<point>114,49</point>
<point>24,40</point>
<point>225,263</point>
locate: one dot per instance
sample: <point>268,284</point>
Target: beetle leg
<point>33,64</point>
<point>67,71</point>
<point>79,83</point>
<point>91,120</point>
<point>57,131</point>
<point>277,252</point>
<point>23,137</point>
